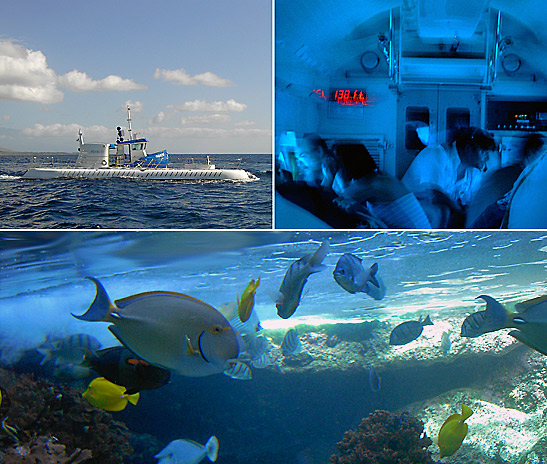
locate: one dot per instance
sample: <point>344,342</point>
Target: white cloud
<point>100,133</point>
<point>206,132</point>
<point>78,81</point>
<point>159,118</point>
<point>206,119</point>
<point>245,123</point>
<point>181,77</point>
<point>135,106</point>
<point>211,107</point>
<point>25,75</point>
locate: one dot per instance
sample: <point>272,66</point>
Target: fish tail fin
<point>498,317</point>
<point>315,260</point>
<point>133,399</point>
<point>211,448</point>
<point>427,321</point>
<point>466,412</point>
<point>101,306</point>
<point>372,277</point>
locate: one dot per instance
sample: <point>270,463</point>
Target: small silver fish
<point>239,371</point>
<point>291,342</point>
<point>296,277</point>
<point>445,343</point>
<point>353,277</point>
<point>374,380</point>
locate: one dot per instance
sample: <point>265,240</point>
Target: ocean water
<point>133,204</point>
<point>289,412</point>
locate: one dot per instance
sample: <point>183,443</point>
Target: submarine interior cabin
<point>379,80</point>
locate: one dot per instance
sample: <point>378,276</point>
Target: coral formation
<point>47,419</point>
<point>383,438</point>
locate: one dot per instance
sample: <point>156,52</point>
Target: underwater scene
<point>273,347</point>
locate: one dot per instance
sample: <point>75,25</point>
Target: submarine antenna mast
<point>129,129</point>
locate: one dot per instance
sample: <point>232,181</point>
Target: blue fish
<point>188,452</point>
<point>374,379</point>
<point>291,342</point>
<point>408,331</point>
<point>350,274</point>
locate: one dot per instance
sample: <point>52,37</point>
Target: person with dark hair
<point>491,201</point>
<point>455,169</point>
<point>315,164</point>
<point>359,183</point>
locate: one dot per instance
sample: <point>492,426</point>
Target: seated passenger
<point>453,169</point>
<point>315,164</point>
<point>489,206</point>
<point>527,207</point>
<point>359,182</point>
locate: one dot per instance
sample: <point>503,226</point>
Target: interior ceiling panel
<point>332,35</point>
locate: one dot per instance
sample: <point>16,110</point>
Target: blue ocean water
<point>286,413</point>
<point>132,204</point>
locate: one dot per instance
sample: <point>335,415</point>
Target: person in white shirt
<point>454,170</point>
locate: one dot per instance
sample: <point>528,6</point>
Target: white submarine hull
<point>136,173</point>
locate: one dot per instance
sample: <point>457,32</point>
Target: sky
<point>196,73</point>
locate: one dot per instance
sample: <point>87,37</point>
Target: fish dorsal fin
<point>466,412</point>
<point>525,305</point>
<point>122,303</point>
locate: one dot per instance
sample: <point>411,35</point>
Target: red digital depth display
<point>349,96</point>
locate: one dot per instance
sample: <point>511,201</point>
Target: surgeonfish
<point>350,274</point>
<point>168,329</point>
<point>374,380</point>
<point>529,322</point>
<point>188,452</point>
<point>239,371</point>
<point>106,395</point>
<point>296,277</point>
<point>247,302</point>
<point>291,342</point>
<point>68,350</point>
<point>407,331</point>
<point>124,368</point>
<point>453,431</point>
<point>445,343</point>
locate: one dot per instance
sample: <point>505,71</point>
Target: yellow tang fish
<point>106,395</point>
<point>245,305</point>
<point>453,431</point>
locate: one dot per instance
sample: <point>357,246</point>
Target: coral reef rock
<point>47,416</point>
<point>384,437</point>
<point>44,450</point>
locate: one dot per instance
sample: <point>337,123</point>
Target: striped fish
<point>264,360</point>
<point>291,342</point>
<point>68,350</point>
<point>239,371</point>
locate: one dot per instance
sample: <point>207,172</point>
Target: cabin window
<point>416,116</point>
<point>137,146</point>
<point>455,119</point>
